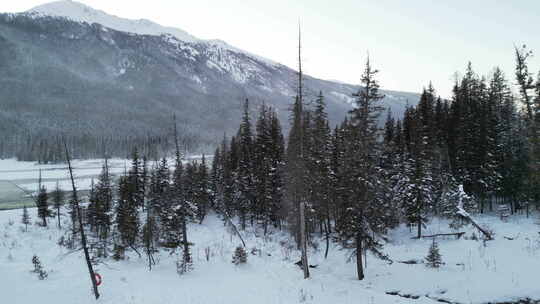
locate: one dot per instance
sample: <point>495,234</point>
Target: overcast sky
<point>410,42</point>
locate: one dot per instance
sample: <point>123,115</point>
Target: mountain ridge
<point>61,75</point>
<point>80,12</point>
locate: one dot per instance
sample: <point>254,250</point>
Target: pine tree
<point>42,203</point>
<point>137,178</point>
<point>434,258</point>
<point>103,201</point>
<point>319,167</point>
<point>127,220</point>
<point>245,176</point>
<point>535,157</point>
<point>215,178</point>
<point>296,170</point>
<point>239,256</point>
<point>419,161</point>
<point>25,218</point>
<point>162,205</point>
<point>90,210</point>
<point>184,210</point>
<point>276,175</point>
<point>58,198</point>
<point>365,216</point>
<point>202,190</point>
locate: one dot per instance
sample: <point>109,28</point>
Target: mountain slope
<point>65,74</point>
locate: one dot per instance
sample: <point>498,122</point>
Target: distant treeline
<point>49,148</point>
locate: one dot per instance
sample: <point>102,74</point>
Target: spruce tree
<point>420,161</point>
<point>239,256</point>
<point>319,167</point>
<point>58,198</point>
<point>42,203</point>
<point>103,203</point>
<point>25,218</point>
<point>245,174</point>
<point>127,220</point>
<point>202,190</point>
<point>296,170</point>
<point>265,168</point>
<point>434,258</point>
<point>365,218</point>
<point>276,175</point>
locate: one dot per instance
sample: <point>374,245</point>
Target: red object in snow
<point>98,278</point>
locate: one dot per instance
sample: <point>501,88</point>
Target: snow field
<point>474,271</point>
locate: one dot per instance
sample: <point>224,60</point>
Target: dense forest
<point>348,184</point>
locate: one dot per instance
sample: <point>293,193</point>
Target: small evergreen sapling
<point>25,218</point>
<point>239,256</point>
<point>434,258</point>
<point>38,268</point>
<point>58,198</point>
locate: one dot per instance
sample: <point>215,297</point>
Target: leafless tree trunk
<point>81,227</point>
<point>302,207</point>
<point>359,264</point>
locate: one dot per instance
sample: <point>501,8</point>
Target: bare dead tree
<point>302,207</point>
<point>81,227</point>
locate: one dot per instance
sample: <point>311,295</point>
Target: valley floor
<point>474,271</point>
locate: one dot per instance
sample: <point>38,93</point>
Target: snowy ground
<point>492,272</point>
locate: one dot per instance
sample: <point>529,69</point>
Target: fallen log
<point>468,217</point>
<point>457,234</point>
<point>511,238</point>
<point>410,262</point>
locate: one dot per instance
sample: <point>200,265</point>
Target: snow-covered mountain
<point>67,67</point>
<point>80,12</point>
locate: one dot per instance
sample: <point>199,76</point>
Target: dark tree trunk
<point>419,227</point>
<point>58,215</point>
<point>184,234</point>
<point>81,228</point>
<point>303,240</point>
<point>359,263</point>
<point>327,231</point>
<point>481,206</point>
